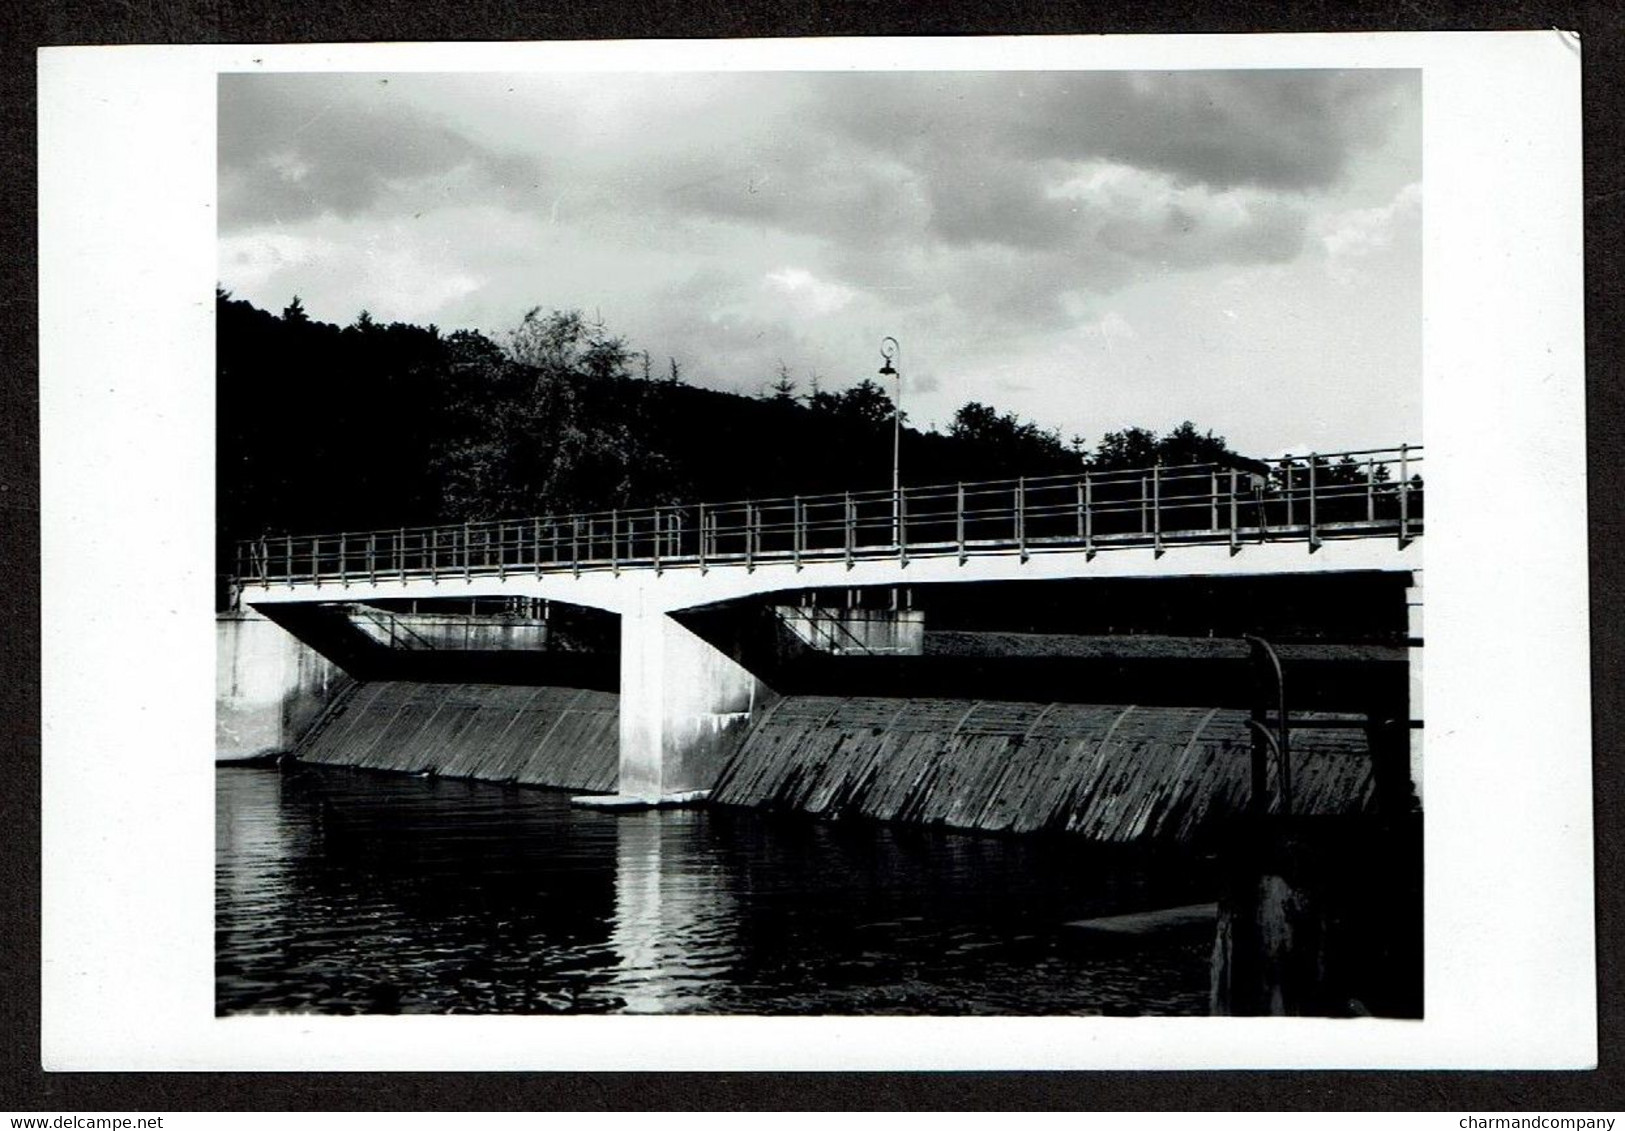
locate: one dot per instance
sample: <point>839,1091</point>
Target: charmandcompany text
<point>1540,1122</point>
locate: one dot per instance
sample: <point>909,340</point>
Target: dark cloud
<point>805,183</point>
<point>291,149</point>
<point>983,202</point>
<point>1261,230</point>
<point>879,166</point>
<point>1279,129</point>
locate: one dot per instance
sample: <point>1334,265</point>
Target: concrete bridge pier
<point>685,705</point>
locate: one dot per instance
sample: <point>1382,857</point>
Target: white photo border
<point>127,177</point>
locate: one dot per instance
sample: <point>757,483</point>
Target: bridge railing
<point>1309,499</point>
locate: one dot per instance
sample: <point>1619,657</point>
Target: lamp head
<point>888,350</point>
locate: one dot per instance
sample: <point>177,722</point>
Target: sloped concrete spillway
<point>552,736</point>
<point>1120,774</point>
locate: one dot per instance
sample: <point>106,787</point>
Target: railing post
<point>1021,516</point>
<point>1089,514</point>
<point>795,530</point>
<point>344,560</point>
<point>897,517</point>
<point>1156,508</point>
<point>1314,539</point>
<point>1213,496</point>
<point>1286,468</point>
<point>701,537</point>
<point>657,534</point>
<point>750,564</point>
<point>468,551</point>
<point>536,545</point>
<point>614,538</point>
<point>849,522</point>
<point>575,545</point>
<point>1144,523</point>
<point>1234,478</point>
<point>502,550</point>
<point>1404,494</point>
<point>959,519</point>
<point>902,527</point>
<point>1371,488</point>
<point>290,561</point>
<point>265,561</point>
<point>372,559</point>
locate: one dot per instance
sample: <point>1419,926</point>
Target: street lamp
<point>889,349</point>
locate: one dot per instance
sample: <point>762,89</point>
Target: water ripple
<point>344,891</point>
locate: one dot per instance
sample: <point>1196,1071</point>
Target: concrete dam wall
<point>1117,774</point>
<point>552,736</point>
<point>1120,774</point>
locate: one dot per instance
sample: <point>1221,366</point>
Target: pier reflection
<point>674,929</point>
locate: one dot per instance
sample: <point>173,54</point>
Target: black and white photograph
<point>820,543</point>
<point>831,542</point>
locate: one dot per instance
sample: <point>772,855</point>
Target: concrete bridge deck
<point>1343,511</point>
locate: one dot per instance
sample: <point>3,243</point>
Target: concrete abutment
<point>270,686</point>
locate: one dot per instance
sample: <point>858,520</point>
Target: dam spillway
<point>1111,773</point>
<point>1122,774</point>
<point>551,736</point>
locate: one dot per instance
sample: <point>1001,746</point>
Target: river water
<point>349,891</point>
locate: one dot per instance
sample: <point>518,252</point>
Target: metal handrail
<point>1310,498</point>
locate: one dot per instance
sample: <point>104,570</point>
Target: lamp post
<point>889,349</point>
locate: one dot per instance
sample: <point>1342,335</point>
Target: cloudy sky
<point>1089,249</point>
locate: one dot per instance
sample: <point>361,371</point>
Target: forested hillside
<point>370,426</point>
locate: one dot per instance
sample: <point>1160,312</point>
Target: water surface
<point>349,891</point>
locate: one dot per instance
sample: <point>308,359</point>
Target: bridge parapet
<point>1374,493</point>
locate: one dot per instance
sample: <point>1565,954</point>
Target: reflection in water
<point>343,891</point>
<point>674,918</point>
